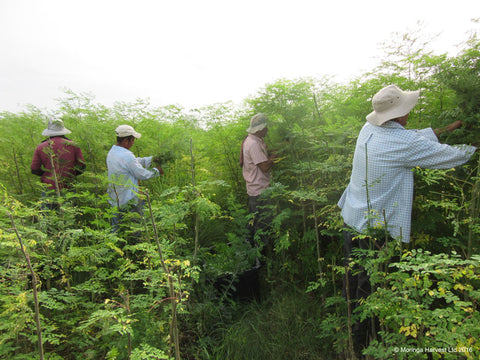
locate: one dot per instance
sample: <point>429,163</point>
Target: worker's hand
<point>160,170</point>
<point>157,160</point>
<point>162,159</point>
<point>454,125</point>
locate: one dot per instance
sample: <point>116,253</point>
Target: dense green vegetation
<point>172,294</point>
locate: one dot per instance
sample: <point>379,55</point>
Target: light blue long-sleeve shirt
<point>382,164</point>
<point>124,171</point>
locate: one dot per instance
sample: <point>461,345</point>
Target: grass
<point>288,325</point>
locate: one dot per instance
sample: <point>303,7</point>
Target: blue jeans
<point>119,215</point>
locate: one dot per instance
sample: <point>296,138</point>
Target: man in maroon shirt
<point>57,159</point>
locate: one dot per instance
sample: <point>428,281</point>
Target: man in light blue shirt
<point>124,172</point>
<point>380,192</point>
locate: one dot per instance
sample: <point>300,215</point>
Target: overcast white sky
<point>200,52</point>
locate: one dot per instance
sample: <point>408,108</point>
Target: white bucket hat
<point>55,128</point>
<point>391,103</point>
<point>257,123</point>
<point>127,130</point>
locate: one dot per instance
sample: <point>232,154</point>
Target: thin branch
<point>34,286</point>
<point>171,287</point>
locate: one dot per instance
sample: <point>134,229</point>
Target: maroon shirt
<point>67,160</point>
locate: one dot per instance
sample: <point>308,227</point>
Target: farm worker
<point>124,172</point>
<point>57,160</point>
<point>380,192</point>
<point>256,165</point>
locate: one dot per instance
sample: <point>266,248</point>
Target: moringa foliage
<point>117,296</point>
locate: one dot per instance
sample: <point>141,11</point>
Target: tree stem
<point>34,286</point>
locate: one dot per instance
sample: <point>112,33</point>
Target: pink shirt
<point>66,158</point>
<point>254,153</point>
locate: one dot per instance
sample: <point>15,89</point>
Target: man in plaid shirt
<point>380,192</point>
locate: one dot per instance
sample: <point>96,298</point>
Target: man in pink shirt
<point>256,164</point>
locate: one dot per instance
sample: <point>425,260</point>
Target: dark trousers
<point>259,226</point>
<point>358,288</point>
<point>50,200</point>
<point>259,233</point>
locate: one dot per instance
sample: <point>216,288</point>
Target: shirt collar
<point>392,125</point>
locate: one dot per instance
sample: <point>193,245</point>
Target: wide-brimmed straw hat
<point>55,128</point>
<point>257,123</point>
<point>391,103</point>
<point>127,130</point>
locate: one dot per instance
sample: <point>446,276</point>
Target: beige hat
<point>55,128</point>
<point>257,123</point>
<point>391,103</point>
<point>127,130</point>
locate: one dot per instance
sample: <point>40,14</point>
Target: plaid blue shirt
<point>382,177</point>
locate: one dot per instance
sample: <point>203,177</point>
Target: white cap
<point>127,130</point>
